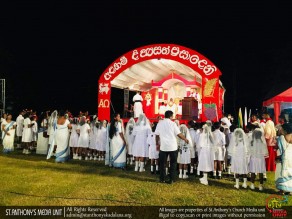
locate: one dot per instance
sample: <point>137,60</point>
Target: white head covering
<point>130,126</point>
<point>206,137</point>
<point>142,120</point>
<point>238,137</point>
<point>185,131</point>
<point>258,145</point>
<point>226,121</point>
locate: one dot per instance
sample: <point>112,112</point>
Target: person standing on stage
<point>138,108</point>
<point>166,133</point>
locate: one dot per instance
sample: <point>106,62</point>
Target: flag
<point>249,115</point>
<point>240,123</point>
<point>245,117</point>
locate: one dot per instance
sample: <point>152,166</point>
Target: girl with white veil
<point>140,146</point>
<point>184,151</point>
<point>129,137</point>
<point>8,131</point>
<point>238,149</point>
<point>258,150</point>
<point>206,155</point>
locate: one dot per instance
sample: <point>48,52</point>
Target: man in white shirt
<point>138,107</point>
<point>166,132</point>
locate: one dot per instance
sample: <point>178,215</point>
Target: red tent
<point>282,100</point>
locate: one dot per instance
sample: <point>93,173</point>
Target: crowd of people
<point>205,149</point>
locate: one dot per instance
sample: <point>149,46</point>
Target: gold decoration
<point>210,87</point>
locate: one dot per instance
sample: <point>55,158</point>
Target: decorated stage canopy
<point>161,72</point>
<point>280,100</point>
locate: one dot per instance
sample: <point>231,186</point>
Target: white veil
<point>258,145</point>
<point>129,128</point>
<point>206,138</point>
<point>238,137</point>
<point>142,118</point>
<point>185,131</point>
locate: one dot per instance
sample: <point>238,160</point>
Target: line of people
<point>200,148</point>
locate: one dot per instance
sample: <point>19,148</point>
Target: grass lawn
<point>31,180</point>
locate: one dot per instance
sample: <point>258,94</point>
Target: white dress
<point>27,132</point>
<point>62,142</point>
<point>83,140</point>
<point>8,140</point>
<point>206,153</point>
<point>138,108</point>
<point>194,136</point>
<point>73,142</point>
<point>239,152</point>
<point>34,129</point>
<point>118,149</point>
<point>93,137</point>
<point>219,145</point>
<point>19,125</point>
<point>129,137</point>
<point>140,146</point>
<point>258,151</point>
<point>102,139</point>
<point>184,152</point>
<point>151,141</point>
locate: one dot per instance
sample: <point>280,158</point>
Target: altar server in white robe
<point>140,146</point>
<point>138,107</point>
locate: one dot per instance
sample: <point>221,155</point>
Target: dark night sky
<point>52,53</point>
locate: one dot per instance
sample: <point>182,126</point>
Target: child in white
<point>34,130</point>
<point>129,137</point>
<point>92,140</point>
<point>153,152</point>
<point>140,146</point>
<point>73,141</point>
<point>193,129</point>
<point>83,142</point>
<point>102,139</point>
<point>219,147</point>
<point>238,149</point>
<point>206,154</point>
<point>258,153</point>
<point>184,152</point>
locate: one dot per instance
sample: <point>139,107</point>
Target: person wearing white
<point>206,152</point>
<point>62,138</point>
<point>129,137</point>
<point>117,143</point>
<point>138,108</point>
<point>171,105</point>
<point>83,141</point>
<point>73,141</point>
<point>8,132</point>
<point>19,128</point>
<point>258,151</point>
<point>153,152</point>
<point>238,149</point>
<point>166,133</point>
<point>102,139</point>
<point>34,130</point>
<point>184,152</point>
<point>140,146</point>
<point>27,133</point>
<point>219,153</point>
<point>194,133</point>
<point>43,138</point>
<point>197,97</point>
<point>92,146</point>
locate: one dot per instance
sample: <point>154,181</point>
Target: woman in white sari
<point>117,143</point>
<point>284,170</point>
<point>8,132</point>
